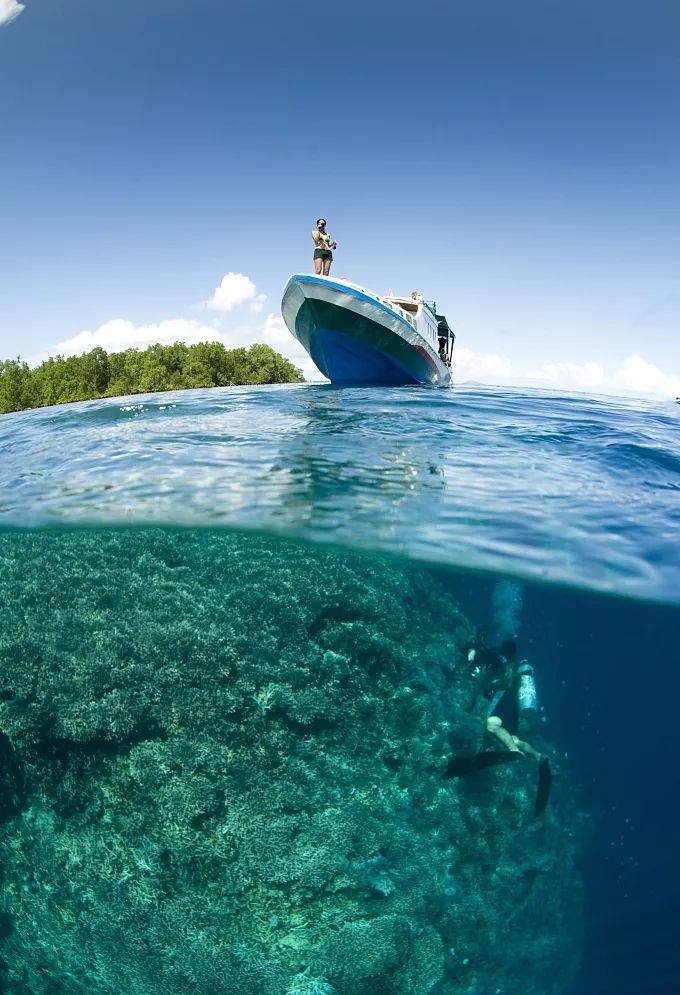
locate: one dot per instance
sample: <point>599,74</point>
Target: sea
<point>244,693</point>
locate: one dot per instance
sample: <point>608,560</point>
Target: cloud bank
<point>237,293</point>
<point>9,10</point>
<point>120,334</point>
<point>635,375</point>
<point>641,377</point>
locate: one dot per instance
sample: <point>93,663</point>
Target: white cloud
<point>574,374</point>
<point>482,366</point>
<point>119,334</point>
<point>635,375</point>
<point>9,9</point>
<point>235,289</point>
<point>276,335</point>
<point>641,377</point>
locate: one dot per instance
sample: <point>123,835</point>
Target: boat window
<point>410,306</point>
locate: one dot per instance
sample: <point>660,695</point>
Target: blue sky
<point>518,162</point>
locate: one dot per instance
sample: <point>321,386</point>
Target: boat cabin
<point>424,318</point>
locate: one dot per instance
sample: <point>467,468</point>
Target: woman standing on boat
<point>323,257</point>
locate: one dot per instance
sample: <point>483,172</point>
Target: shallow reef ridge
<point>222,762</point>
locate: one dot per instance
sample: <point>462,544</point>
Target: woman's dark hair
<point>319,220</point>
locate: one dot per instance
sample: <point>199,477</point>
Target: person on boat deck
<point>416,296</point>
<point>323,257</point>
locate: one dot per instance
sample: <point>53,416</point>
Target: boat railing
<point>425,327</point>
<point>427,324</point>
<point>384,300</point>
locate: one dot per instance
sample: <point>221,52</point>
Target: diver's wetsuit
<point>505,705</point>
<point>500,688</point>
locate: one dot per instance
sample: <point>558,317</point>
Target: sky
<point>162,165</point>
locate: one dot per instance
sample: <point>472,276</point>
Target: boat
<point>355,336</point>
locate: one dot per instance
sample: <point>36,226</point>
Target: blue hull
<point>348,360</point>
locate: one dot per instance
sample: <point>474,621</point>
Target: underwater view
<point>319,691</point>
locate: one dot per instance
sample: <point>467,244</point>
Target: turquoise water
<point>234,674</point>
<point>567,488</point>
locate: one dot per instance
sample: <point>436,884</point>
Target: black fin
<point>544,785</point>
<point>460,766</point>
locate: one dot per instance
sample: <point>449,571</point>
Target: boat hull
<point>354,337</point>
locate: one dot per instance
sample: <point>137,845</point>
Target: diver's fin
<point>460,766</point>
<point>544,785</point>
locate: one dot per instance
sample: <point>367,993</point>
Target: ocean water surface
<point>243,697</point>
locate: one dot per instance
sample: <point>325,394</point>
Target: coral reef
<point>221,756</point>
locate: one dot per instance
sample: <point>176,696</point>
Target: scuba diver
<point>510,689</point>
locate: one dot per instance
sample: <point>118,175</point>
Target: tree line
<point>160,367</point>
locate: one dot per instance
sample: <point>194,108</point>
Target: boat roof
<point>442,323</point>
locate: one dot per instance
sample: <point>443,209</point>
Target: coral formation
<point>223,760</point>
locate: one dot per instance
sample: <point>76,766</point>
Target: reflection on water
<point>576,490</point>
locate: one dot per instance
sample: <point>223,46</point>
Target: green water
<point>222,772</point>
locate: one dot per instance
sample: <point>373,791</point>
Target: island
<point>96,374</point>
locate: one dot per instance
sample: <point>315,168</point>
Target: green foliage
<point>17,388</point>
<point>174,367</point>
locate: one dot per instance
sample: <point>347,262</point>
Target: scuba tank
<point>526,692</point>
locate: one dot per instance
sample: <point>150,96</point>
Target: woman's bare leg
<point>527,748</point>
<point>327,266</point>
<point>317,266</point>
<point>493,725</point>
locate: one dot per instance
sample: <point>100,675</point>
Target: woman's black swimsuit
<point>323,251</point>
